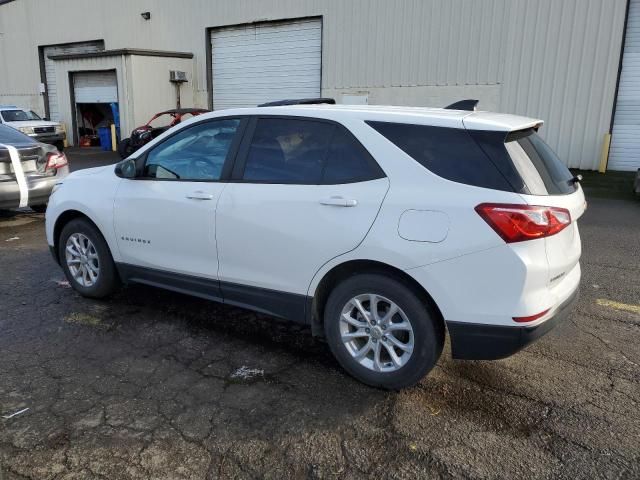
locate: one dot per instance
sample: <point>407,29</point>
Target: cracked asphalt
<point>153,384</point>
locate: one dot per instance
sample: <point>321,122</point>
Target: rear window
<point>540,168</point>
<point>516,162</point>
<point>12,136</point>
<point>450,153</point>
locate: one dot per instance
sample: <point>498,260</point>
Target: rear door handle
<point>338,201</point>
<point>200,195</point>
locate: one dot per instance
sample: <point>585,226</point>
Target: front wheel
<point>86,260</point>
<point>381,332</point>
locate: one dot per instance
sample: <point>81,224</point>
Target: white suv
<point>380,227</point>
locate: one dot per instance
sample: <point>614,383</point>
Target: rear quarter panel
<point>413,187</point>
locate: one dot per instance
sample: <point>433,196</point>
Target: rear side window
<point>307,152</point>
<point>450,153</point>
<point>540,168</point>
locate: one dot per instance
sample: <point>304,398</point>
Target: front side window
<point>195,153</point>
<point>306,152</point>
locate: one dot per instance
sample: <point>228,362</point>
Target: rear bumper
<point>472,341</point>
<point>39,190</point>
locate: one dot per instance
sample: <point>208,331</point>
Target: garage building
<point>573,63</point>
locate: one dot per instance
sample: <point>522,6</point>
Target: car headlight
<point>27,130</point>
<point>59,129</point>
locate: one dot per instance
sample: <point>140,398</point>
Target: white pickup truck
<point>31,124</point>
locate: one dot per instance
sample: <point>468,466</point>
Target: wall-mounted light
<point>146,15</point>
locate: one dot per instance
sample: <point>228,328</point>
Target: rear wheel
<point>86,260</point>
<point>381,332</point>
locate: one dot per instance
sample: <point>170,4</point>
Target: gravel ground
<point>153,384</point>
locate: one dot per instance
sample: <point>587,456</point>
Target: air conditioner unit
<point>177,76</point>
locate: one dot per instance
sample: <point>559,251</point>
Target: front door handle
<point>338,201</point>
<point>200,195</point>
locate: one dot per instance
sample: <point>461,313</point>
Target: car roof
<point>474,120</point>
<point>184,110</point>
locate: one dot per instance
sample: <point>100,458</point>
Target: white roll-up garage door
<point>258,63</point>
<point>50,69</point>
<point>95,87</point>
<point>625,141</point>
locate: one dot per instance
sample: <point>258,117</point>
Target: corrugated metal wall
<point>553,59</point>
<point>561,66</point>
<point>415,42</point>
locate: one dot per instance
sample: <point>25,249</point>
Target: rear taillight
<point>56,160</point>
<point>517,223</point>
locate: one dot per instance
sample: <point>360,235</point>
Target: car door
<point>303,191</point>
<point>164,218</point>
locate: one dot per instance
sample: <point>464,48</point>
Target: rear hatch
<point>548,182</point>
<point>33,160</point>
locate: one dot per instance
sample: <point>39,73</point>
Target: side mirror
<point>126,168</point>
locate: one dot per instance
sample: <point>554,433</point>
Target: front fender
<point>92,197</point>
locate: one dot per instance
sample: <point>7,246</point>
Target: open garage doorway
<point>95,108</point>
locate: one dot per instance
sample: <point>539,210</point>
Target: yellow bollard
<point>114,147</point>
<point>64,129</point>
<point>604,155</point>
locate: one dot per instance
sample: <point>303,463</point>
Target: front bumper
<point>50,138</point>
<point>472,341</point>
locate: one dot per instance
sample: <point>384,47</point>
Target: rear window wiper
<point>574,180</point>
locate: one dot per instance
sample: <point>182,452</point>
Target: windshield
<point>161,121</point>
<point>19,115</point>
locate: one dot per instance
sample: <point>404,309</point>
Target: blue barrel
<point>105,137</point>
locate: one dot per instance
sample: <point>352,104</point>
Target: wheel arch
<point>63,219</point>
<point>350,268</point>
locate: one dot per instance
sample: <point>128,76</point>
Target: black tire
<point>124,148</point>
<point>39,208</point>
<point>108,280</point>
<point>427,330</point>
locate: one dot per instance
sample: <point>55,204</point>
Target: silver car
<point>28,170</point>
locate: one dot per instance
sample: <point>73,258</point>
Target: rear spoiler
<point>468,105</point>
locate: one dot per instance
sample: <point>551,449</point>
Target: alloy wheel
<point>82,260</point>
<point>376,332</point>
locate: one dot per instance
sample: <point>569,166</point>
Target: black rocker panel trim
<point>191,285</point>
<point>289,306</point>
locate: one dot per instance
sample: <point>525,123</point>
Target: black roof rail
<point>469,105</point>
<point>300,101</point>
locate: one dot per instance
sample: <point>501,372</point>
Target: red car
<point>160,123</point>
